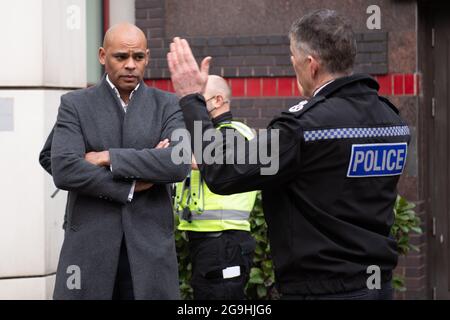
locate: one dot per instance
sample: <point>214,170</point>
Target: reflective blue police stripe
<point>377,160</point>
<point>348,133</point>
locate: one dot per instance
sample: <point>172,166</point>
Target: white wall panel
<point>22,43</point>
<point>45,43</point>
<point>30,223</point>
<point>64,30</point>
<point>27,288</point>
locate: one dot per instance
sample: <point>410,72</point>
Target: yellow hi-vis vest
<point>201,210</point>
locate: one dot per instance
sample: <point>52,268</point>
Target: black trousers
<point>210,255</point>
<point>385,293</point>
<point>123,286</point>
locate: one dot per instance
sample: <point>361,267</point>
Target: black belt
<point>192,235</point>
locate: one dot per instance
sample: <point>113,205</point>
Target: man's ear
<point>102,56</point>
<point>147,56</point>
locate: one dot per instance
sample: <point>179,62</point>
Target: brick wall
<point>257,56</point>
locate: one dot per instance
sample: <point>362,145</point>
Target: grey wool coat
<point>98,214</point>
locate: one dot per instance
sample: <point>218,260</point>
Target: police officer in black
<point>329,208</point>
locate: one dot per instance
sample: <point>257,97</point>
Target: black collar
<point>221,118</point>
<point>339,83</point>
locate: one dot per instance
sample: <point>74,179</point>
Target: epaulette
<point>303,106</point>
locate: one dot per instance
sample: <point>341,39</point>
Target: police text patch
<point>377,160</point>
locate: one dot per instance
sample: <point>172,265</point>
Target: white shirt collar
<point>124,105</point>
<point>323,86</point>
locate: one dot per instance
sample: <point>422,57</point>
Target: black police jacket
<point>329,207</point>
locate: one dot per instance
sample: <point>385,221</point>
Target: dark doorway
<point>434,57</point>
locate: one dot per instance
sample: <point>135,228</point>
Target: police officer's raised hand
<point>187,77</point>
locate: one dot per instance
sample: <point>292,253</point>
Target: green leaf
<point>262,291</point>
<point>259,221</point>
<point>405,229</point>
<point>256,276</point>
<point>417,230</point>
<point>402,217</point>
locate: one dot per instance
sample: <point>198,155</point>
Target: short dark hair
<point>327,36</point>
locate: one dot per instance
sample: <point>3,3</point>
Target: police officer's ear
<point>313,66</point>
<point>219,101</point>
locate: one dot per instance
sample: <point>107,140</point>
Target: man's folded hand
<point>100,159</point>
<point>142,186</point>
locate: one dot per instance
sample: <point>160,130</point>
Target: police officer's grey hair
<point>328,37</point>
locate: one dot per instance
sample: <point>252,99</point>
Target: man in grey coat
<point>109,149</point>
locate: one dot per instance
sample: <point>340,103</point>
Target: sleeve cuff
<point>186,100</point>
<point>131,194</point>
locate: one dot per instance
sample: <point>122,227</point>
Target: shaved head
<point>217,86</point>
<point>217,96</point>
<point>125,56</point>
<point>123,31</point>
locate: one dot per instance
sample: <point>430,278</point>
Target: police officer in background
<point>220,244</point>
<point>329,208</point>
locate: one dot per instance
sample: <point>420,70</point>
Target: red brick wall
<point>257,100</point>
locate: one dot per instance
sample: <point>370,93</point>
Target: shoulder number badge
<point>298,107</point>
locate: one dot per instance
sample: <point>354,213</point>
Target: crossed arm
<point>89,173</point>
<point>95,158</point>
